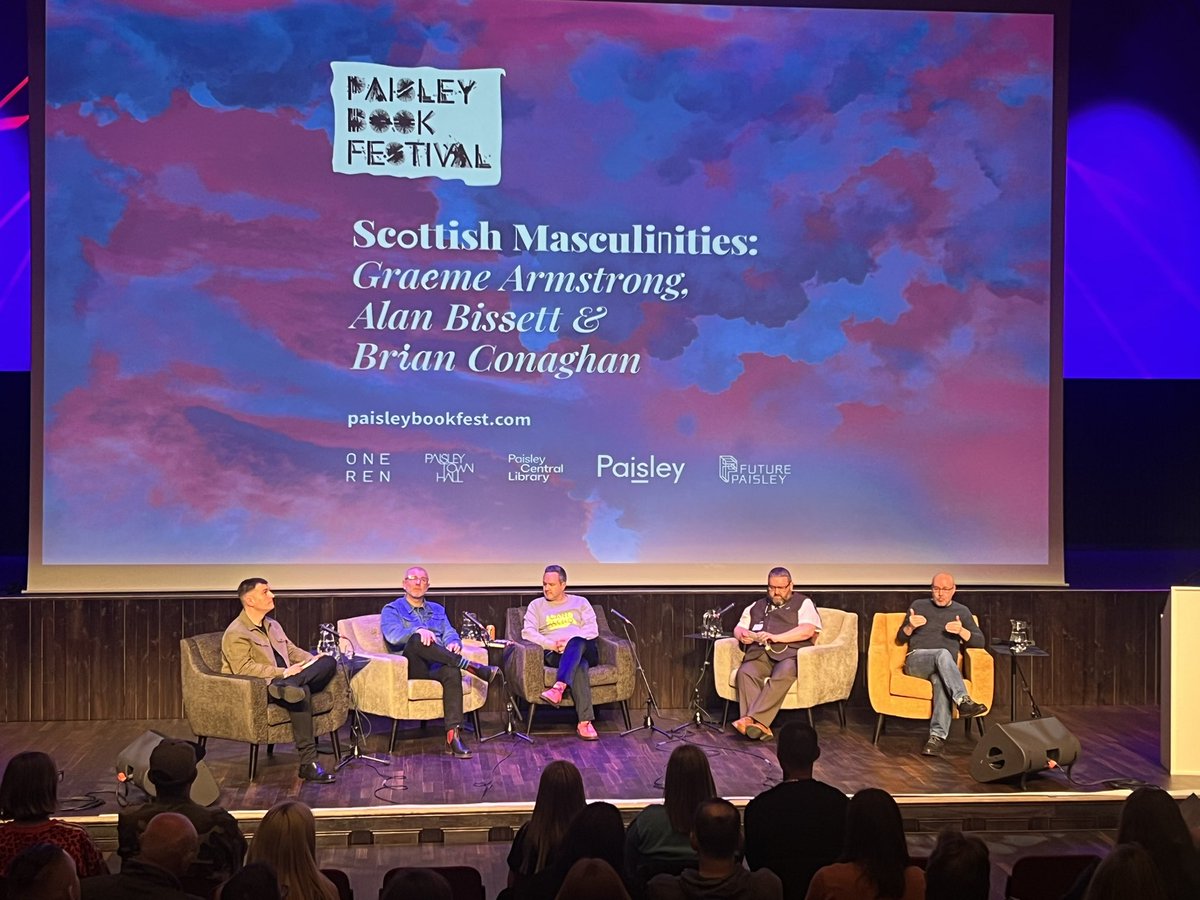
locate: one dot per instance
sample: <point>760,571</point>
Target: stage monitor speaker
<point>1017,748</point>
<point>133,765</point>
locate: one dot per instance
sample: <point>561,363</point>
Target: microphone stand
<point>510,728</point>
<point>355,753</point>
<point>651,703</point>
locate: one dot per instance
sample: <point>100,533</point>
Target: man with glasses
<point>420,630</point>
<point>936,630</point>
<point>771,629</point>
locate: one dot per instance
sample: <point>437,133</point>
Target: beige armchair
<point>380,684</point>
<point>527,674</point>
<point>235,707</point>
<point>824,672</point>
<point>894,693</point>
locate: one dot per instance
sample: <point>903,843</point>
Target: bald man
<point>936,630</point>
<point>169,844</point>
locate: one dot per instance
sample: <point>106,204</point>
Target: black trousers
<point>433,661</point>
<point>312,680</point>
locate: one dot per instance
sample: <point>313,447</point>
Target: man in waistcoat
<point>771,629</point>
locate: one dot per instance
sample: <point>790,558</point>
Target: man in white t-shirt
<point>771,629</point>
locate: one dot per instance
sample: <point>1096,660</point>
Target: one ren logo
<point>638,471</point>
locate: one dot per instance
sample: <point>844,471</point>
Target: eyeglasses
<point>943,590</point>
<point>417,580</point>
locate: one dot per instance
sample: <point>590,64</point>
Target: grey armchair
<point>528,675</point>
<point>235,707</point>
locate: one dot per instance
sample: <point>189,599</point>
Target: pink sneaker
<point>587,732</point>
<point>554,695</point>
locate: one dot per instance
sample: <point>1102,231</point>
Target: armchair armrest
<point>523,669</point>
<point>980,669</point>
<point>224,706</point>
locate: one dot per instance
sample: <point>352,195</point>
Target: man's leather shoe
<point>454,745</point>
<point>288,693</point>
<point>554,695</point>
<point>757,731</point>
<point>313,771</point>
<point>742,724</point>
<point>481,670</point>
<point>933,746</point>
<point>969,708</point>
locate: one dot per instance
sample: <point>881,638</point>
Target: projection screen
<point>667,294</point>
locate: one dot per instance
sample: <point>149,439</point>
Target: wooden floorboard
<point>1118,743</point>
<point>423,807</point>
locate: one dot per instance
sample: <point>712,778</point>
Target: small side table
<point>1004,648</point>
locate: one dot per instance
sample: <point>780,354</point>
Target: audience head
<point>172,767</point>
<point>559,799</point>
<point>170,842</point>
<point>597,832</point>
<point>286,839</point>
<point>417,884</point>
<point>1128,871</point>
<point>592,879</point>
<point>29,789</point>
<point>875,840</point>
<point>717,830</point>
<point>688,782</point>
<point>797,749</point>
<point>958,869</point>
<point>1151,817</point>
<point>43,872</point>
<point>256,881</point>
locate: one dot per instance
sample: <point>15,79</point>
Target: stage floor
<point>496,788</point>
<point>425,808</point>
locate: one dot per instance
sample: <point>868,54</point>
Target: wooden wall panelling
<point>117,657</point>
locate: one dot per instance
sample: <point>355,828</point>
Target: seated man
<point>420,630</point>
<point>222,845</point>
<point>169,845</point>
<point>812,839</point>
<point>772,629</point>
<point>936,629</point>
<point>717,837</point>
<point>564,626</point>
<point>255,644</point>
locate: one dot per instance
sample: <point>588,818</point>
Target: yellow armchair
<point>893,693</point>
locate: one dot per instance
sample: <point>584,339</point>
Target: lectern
<point>1180,710</point>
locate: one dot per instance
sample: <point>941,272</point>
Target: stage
<point>424,797</point>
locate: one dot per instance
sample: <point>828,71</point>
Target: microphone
<point>726,609</point>
<point>470,617</point>
<point>613,610</point>
<point>328,629</point>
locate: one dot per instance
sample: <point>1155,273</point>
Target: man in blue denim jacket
<point>420,630</point>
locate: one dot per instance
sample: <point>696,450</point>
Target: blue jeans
<point>948,686</point>
<point>572,665</point>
